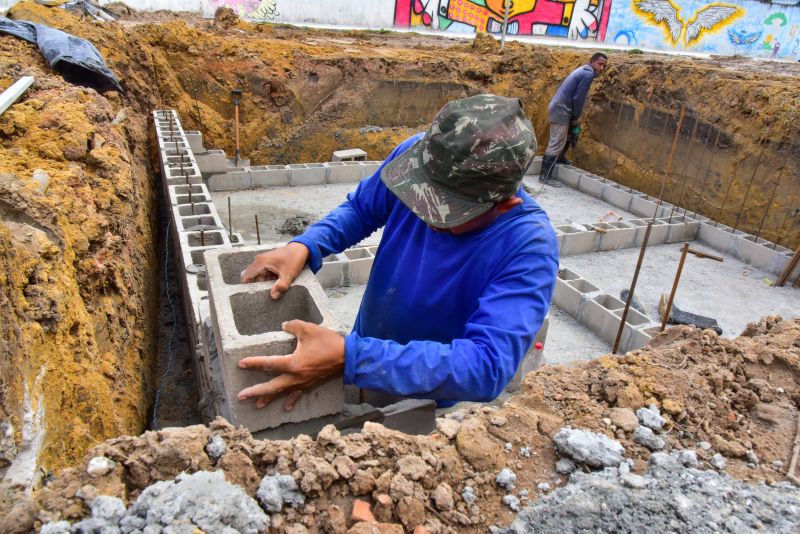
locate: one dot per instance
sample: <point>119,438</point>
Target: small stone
<point>651,417</point>
<point>506,478</point>
<point>777,465</point>
<point>216,447</point>
<point>56,527</point>
<point>672,407</point>
<point>752,457</point>
<point>543,486</point>
<point>633,481</point>
<point>589,448</point>
<point>276,490</point>
<point>523,495</point>
<point>512,502</point>
<point>779,390</point>
<point>336,519</point>
<point>644,436</point>
<point>361,512</point>
<point>448,427</point>
<point>706,446</point>
<point>443,497</point>
<point>384,508</point>
<point>525,451</point>
<point>565,466</point>
<point>498,420</point>
<point>42,178</point>
<point>99,466</point>
<point>623,469</point>
<point>468,495</point>
<point>509,446</point>
<point>688,458</point>
<point>718,461</point>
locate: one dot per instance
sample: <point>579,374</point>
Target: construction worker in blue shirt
<point>564,111</point>
<point>462,278</point>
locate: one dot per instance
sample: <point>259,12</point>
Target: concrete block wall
<point>295,174</point>
<point>683,226</point>
<point>247,322</point>
<point>600,312</point>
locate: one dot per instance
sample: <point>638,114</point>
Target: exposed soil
<point>79,266</point>
<point>740,395</point>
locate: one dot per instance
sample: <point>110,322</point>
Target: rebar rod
<point>708,169</point>
<point>684,251</point>
<point>669,159</point>
<point>230,224</point>
<point>750,185</point>
<point>789,269</point>
<point>197,106</point>
<point>258,232</point>
<point>789,211</point>
<point>769,204</point>
<point>685,172</point>
<point>633,286</point>
<point>202,238</point>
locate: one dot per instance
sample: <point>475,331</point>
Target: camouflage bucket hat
<point>474,154</point>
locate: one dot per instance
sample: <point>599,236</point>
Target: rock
<point>718,461</point>
<point>512,502</point>
<point>729,447</point>
<point>624,418</point>
<point>443,497</point>
<point>468,495</point>
<point>361,512</point>
<point>543,486</point>
<point>651,417</point>
<point>384,508</point>
<point>411,512</point>
<point>362,483</point>
<point>752,457</point>
<point>509,446</point>
<point>565,466</point>
<point>688,458</point>
<point>506,478</point>
<point>216,447</point>
<point>630,397</point>
<point>337,521</point>
<point>412,467</point>
<point>633,481</point>
<point>99,466</point>
<point>590,448</point>
<point>400,486</point>
<point>345,467</point>
<point>523,495</point>
<point>328,435</point>
<point>276,490</point>
<point>498,420</point>
<point>8,447</point>
<point>525,451</point>
<point>375,528</point>
<point>672,407</point>
<point>42,178</point>
<point>448,427</point>
<point>477,447</point>
<point>644,436</point>
<point>706,446</point>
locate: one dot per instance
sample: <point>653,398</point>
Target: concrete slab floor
<point>731,292</point>
<point>565,205</point>
<point>275,204</point>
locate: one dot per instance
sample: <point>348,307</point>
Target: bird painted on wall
<point>706,19</point>
<point>740,38</point>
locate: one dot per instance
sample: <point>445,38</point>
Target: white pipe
<point>13,93</point>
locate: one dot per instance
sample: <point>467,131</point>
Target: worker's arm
<point>579,96</point>
<point>476,367</point>
<point>365,210</point>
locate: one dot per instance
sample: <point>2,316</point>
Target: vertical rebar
<point>202,238</point>
<point>191,202</point>
<point>790,267</point>
<point>237,96</point>
<point>669,159</point>
<point>789,210</point>
<point>633,286</point>
<point>197,106</point>
<point>685,172</point>
<point>664,319</point>
<point>230,224</point>
<point>702,189</point>
<point>750,185</point>
<point>769,204</point>
<point>258,232</point>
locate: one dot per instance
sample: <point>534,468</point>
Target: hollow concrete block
<point>755,252</point>
<point>247,322</point>
<point>616,236</point>
<point>642,206</point>
<point>230,181</point>
<point>368,168</point>
<point>535,167</point>
<point>359,265</point>
<point>340,173</point>
<point>236,239</point>
<point>307,174</point>
<point>350,154</point>
<point>568,175</point>
<point>590,186</point>
<point>532,358</point>
<point>270,176</point>
<point>195,140</point>
<point>717,237</point>
<point>333,271</point>
<point>577,241</point>
<point>617,196</point>
<point>179,194</point>
<point>212,161</point>
<point>685,230</point>
<point>597,314</point>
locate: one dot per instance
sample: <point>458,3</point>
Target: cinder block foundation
<point>307,174</point>
<point>590,186</point>
<point>577,240</point>
<point>341,172</point>
<point>247,322</point>
<point>269,176</point>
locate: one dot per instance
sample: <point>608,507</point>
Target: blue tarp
<point>76,59</point>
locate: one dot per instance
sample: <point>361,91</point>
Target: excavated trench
<point>305,93</point>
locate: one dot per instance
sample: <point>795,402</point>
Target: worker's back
<point>567,104</point>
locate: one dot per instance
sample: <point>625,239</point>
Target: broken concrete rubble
<point>589,448</point>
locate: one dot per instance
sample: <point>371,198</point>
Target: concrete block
<point>780,264</point>
<point>230,181</point>
<point>212,161</point>
<point>195,223</point>
<point>351,154</point>
<point>643,206</point>
<point>234,164</point>
<point>717,237</point>
<point>333,271</point>
<point>195,140</point>
<point>368,168</point>
<point>616,195</point>
<point>617,235</point>
<point>247,323</point>
<point>578,241</point>
<point>359,265</point>
<point>410,416</point>
<point>269,176</point>
<point>307,174</point>
<point>632,335</point>
<point>579,292</point>
<point>196,240</point>
<point>236,239</point>
<point>590,186</point>
<point>636,338</point>
<point>658,233</point>
<point>597,314</point>
<point>683,229</point>
<point>179,194</point>
<point>568,175</point>
<point>339,173</point>
<point>758,253</point>
<point>535,168</point>
<point>532,358</point>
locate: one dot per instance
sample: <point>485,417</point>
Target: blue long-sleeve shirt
<point>566,106</point>
<point>444,317</point>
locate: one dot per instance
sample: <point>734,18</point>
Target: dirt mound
<point>740,395</point>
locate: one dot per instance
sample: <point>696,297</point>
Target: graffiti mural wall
<point>751,28</point>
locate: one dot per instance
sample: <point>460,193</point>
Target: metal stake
<point>669,159</point>
<point>197,105</point>
<point>505,25</point>
<point>752,179</point>
<point>769,204</point>
<point>685,173</point>
<point>202,238</point>
<point>785,218</point>
<point>684,250</point>
<point>191,202</point>
<point>258,232</point>
<point>633,286</point>
<point>237,97</point>
<point>789,269</point>
<point>230,225</point>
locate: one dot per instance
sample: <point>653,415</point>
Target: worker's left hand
<point>319,355</point>
<point>575,130</point>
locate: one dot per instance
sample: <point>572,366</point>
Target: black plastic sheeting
<point>76,59</point>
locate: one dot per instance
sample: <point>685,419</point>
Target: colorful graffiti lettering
<point>574,19</point>
<point>667,15</point>
<point>264,10</point>
<point>741,38</point>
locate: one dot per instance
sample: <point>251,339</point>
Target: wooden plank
<point>13,93</point>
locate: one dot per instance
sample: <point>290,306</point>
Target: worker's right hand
<point>283,265</point>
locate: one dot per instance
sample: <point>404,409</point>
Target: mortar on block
<point>247,322</point>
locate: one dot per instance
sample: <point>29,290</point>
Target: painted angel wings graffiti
<point>707,18</point>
